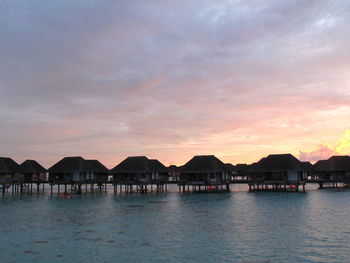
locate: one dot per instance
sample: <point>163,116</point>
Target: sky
<point>173,79</point>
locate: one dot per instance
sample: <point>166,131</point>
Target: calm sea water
<point>228,227</point>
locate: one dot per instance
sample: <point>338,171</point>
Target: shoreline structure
<point>203,173</point>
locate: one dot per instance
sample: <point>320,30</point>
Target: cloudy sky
<point>171,79</point>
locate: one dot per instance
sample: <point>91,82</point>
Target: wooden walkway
<point>143,187</point>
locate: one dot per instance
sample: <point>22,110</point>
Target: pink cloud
<point>323,152</point>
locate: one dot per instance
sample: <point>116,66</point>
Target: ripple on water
<point>158,202</point>
<point>30,252</point>
<point>235,227</point>
<point>40,241</point>
<point>94,239</point>
<point>135,206</point>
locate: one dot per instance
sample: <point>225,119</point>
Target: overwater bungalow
<point>33,173</point>
<point>230,168</point>
<point>10,174</point>
<point>141,172</point>
<point>308,169</point>
<point>204,173</point>
<point>334,172</point>
<point>279,172</point>
<point>76,171</point>
<point>241,172</point>
<point>174,174</point>
<point>96,173</point>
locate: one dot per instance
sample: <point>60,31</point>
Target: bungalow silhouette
<point>278,172</point>
<point>140,171</point>
<point>10,174</point>
<point>231,170</point>
<point>75,171</point>
<point>174,174</point>
<point>308,169</point>
<point>241,172</point>
<point>96,173</point>
<point>333,172</point>
<point>204,172</point>
<point>33,172</point>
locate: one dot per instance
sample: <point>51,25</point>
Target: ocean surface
<point>177,227</point>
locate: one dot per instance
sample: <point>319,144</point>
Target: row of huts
<point>202,172</point>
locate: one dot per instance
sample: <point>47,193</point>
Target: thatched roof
<point>230,167</point>
<point>322,165</point>
<point>278,162</point>
<point>157,165</point>
<point>94,166</point>
<point>307,166</point>
<point>137,164</point>
<point>32,167</point>
<point>241,167</point>
<point>252,167</point>
<point>173,168</point>
<point>340,163</point>
<point>78,164</point>
<point>335,163</point>
<point>69,165</point>
<point>204,163</point>
<point>7,165</point>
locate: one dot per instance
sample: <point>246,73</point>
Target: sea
<point>237,226</point>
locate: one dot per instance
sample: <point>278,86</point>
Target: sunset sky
<point>172,79</point>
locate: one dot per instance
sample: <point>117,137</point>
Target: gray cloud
<point>137,76</point>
